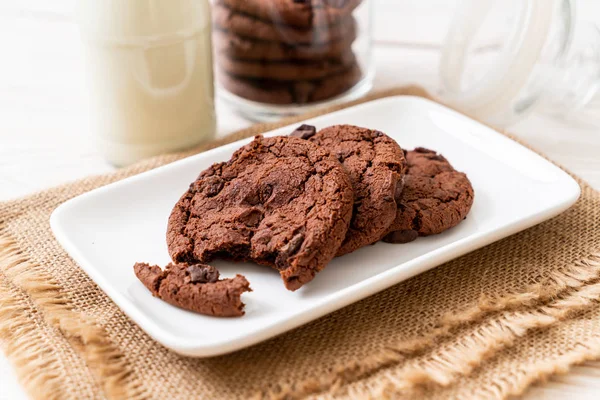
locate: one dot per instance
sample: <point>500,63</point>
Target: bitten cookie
<point>195,287</point>
<point>237,47</point>
<point>299,13</point>
<point>435,198</point>
<point>376,166</point>
<point>282,202</point>
<point>292,92</point>
<point>243,25</point>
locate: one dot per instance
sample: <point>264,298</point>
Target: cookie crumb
<point>195,288</point>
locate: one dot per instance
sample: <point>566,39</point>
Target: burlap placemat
<point>486,325</point>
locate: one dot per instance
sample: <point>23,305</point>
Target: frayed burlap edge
<point>541,371</point>
<point>36,366</point>
<point>461,359</point>
<point>100,354</point>
<point>118,381</point>
<point>560,296</point>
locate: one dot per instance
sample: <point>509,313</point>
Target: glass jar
<point>503,59</point>
<point>284,57</point>
<point>150,75</point>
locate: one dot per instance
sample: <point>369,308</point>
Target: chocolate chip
<point>434,155</point>
<point>289,249</point>
<point>265,193</point>
<point>438,157</point>
<point>423,150</point>
<point>200,273</point>
<point>304,131</point>
<point>417,222</point>
<point>301,1</point>
<point>401,236</point>
<point>252,198</point>
<point>213,185</point>
<point>293,245</point>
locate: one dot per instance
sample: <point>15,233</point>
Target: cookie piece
<point>280,201</point>
<point>284,70</point>
<point>237,47</point>
<point>245,26</point>
<point>298,13</point>
<point>292,92</point>
<point>195,287</point>
<point>376,166</point>
<point>435,198</point>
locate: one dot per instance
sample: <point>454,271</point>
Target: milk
<point>150,75</point>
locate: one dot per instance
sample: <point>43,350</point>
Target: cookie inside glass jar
<point>291,52</point>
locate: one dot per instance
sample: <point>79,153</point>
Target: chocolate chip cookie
<point>195,287</point>
<point>292,92</point>
<point>240,48</point>
<point>285,70</point>
<point>299,13</point>
<point>245,26</point>
<point>376,166</point>
<point>282,202</point>
<point>435,198</point>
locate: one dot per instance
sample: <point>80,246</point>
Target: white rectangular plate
<point>107,230</point>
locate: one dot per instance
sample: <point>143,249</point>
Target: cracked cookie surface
<point>282,202</point>
<point>435,197</point>
<point>376,166</point>
<point>195,287</point>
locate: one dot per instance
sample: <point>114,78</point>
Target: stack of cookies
<point>285,51</point>
<point>293,203</point>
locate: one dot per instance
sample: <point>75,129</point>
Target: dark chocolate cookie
<point>292,92</point>
<point>195,287</point>
<point>299,13</point>
<point>245,26</point>
<point>376,166</point>
<point>435,198</point>
<point>284,70</point>
<point>282,202</point>
<point>236,47</point>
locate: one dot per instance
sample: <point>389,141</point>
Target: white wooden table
<point>44,137</point>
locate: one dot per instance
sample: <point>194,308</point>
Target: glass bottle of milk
<point>150,75</point>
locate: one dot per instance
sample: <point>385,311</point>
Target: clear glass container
<point>283,57</point>
<point>150,75</point>
<point>503,59</point>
